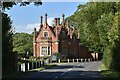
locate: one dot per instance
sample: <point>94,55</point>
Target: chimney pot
<point>46,18</point>
<point>63,19</point>
<point>63,15</point>
<point>55,21</point>
<point>58,21</point>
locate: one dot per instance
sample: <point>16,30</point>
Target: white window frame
<point>47,50</point>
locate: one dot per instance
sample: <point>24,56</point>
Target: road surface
<point>68,71</point>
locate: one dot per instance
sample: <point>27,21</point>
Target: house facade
<point>57,39</point>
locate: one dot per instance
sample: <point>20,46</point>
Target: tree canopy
<point>9,5</point>
<point>99,29</point>
<point>8,56</point>
<point>23,43</point>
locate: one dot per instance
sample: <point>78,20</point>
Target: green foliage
<point>8,58</point>
<point>9,5</point>
<point>110,74</point>
<point>23,42</point>
<point>99,29</point>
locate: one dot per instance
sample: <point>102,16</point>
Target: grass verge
<point>109,73</point>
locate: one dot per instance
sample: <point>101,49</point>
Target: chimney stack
<point>58,21</point>
<point>68,26</point>
<point>45,23</point>
<point>63,19</point>
<point>41,21</point>
<point>45,18</point>
<point>55,21</point>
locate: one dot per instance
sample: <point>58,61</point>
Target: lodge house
<point>58,39</point>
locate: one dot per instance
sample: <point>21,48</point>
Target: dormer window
<point>45,34</point>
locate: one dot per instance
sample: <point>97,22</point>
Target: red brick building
<point>59,38</point>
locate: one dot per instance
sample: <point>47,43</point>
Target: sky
<point>25,18</point>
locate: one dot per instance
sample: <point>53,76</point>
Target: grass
<point>109,73</point>
<point>19,74</point>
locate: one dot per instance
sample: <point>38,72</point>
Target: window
<point>45,34</point>
<point>44,51</point>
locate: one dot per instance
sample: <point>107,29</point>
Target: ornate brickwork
<point>59,38</point>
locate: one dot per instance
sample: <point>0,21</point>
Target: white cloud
<point>50,21</point>
<point>29,28</point>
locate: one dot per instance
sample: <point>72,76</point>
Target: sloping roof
<point>50,27</point>
<point>52,30</point>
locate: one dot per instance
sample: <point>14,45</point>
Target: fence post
<point>68,60</point>
<point>73,60</point>
<point>42,62</point>
<point>85,59</point>
<point>23,67</point>
<point>81,60</point>
<point>58,60</point>
<point>77,60</point>
<point>28,67</point>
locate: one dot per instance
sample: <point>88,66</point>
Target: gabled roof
<point>52,30</point>
<point>50,27</point>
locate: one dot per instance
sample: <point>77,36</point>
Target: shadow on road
<point>71,75</point>
<point>75,71</point>
<point>66,67</point>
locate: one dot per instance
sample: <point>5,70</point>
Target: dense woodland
<point>23,43</point>
<point>99,24</point>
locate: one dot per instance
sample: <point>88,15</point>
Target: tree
<point>23,42</point>
<point>99,29</point>
<point>8,56</point>
<point>9,5</point>
<point>114,39</point>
